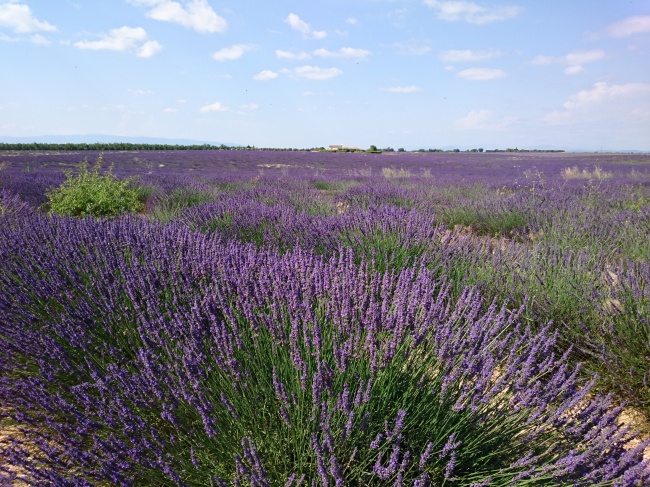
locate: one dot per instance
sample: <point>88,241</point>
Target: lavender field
<point>309,318</point>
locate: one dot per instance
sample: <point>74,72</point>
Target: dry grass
<point>391,173</point>
<point>575,173</point>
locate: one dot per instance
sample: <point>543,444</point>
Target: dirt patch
<point>9,433</point>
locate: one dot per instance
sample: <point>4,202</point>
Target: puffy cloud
<point>140,92</point>
<point>148,49</point>
<point>250,106</point>
<point>351,21</point>
<point>471,12</point>
<point>20,19</point>
<point>577,69</point>
<point>467,55</point>
<point>291,55</point>
<point>473,120</point>
<point>214,107</point>
<point>581,57</point>
<point>412,48</point>
<point>630,26</point>
<point>482,120</point>
<point>193,14</point>
<point>344,53</point>
<point>542,60</point>
<point>316,73</point>
<point>40,40</point>
<point>265,75</point>
<point>123,39</point>
<point>602,100</point>
<point>481,74</point>
<point>303,27</point>
<point>402,89</point>
<point>170,110</point>
<point>574,60</point>
<point>231,53</point>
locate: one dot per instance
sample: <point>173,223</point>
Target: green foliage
<point>483,222</point>
<point>176,201</point>
<point>334,186</point>
<point>90,193</point>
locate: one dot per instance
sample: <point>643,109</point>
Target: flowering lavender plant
<point>145,354</point>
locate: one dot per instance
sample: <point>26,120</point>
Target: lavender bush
<point>138,353</point>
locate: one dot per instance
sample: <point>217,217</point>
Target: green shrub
<point>90,193</point>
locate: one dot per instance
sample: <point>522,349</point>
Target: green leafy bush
<point>90,193</point>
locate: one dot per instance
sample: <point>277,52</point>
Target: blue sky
<point>401,73</point>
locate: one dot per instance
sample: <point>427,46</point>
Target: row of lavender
<point>138,353</point>
<point>328,329</point>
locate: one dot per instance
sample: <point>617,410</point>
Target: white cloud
<point>402,89</point>
<point>170,110</point>
<point>471,12</point>
<point>116,107</point>
<point>581,57</point>
<point>467,55</point>
<point>351,21</point>
<point>303,27</point>
<point>123,39</point>
<point>473,120</point>
<point>601,101</point>
<point>140,92</point>
<point>191,14</point>
<point>344,53</point>
<point>214,107</point>
<point>574,60</point>
<point>482,120</point>
<point>21,20</point>
<point>291,55</point>
<point>148,49</point>
<point>250,106</point>
<point>542,60</point>
<point>265,75</point>
<point>630,26</point>
<point>577,69</point>
<point>231,53</point>
<point>34,39</point>
<point>6,38</point>
<point>481,74</point>
<point>40,40</point>
<point>412,47</point>
<point>316,73</point>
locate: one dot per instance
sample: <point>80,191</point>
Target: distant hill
<point>102,138</point>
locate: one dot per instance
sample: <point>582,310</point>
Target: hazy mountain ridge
<point>103,138</point>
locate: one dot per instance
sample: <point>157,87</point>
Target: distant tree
<point>401,149</point>
<point>373,148</point>
<point>480,149</point>
<point>456,150</point>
